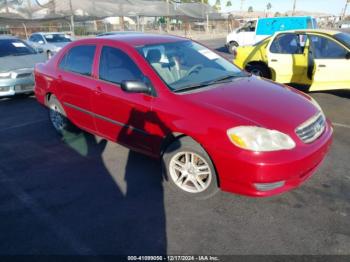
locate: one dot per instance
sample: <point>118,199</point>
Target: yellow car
<point>318,59</point>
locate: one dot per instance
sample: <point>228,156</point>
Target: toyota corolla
<point>213,125</point>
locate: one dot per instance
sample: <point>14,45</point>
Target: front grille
<point>23,75</point>
<point>312,128</point>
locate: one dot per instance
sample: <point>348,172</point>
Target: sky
<point>322,6</point>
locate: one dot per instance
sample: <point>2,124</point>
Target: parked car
<point>212,124</point>
<point>256,30</point>
<point>17,61</point>
<point>317,59</point>
<point>50,43</point>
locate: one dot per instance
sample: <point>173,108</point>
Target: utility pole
<point>294,7</point>
<point>346,7</point>
<point>7,6</point>
<point>72,17</point>
<point>29,8</point>
<point>242,2</point>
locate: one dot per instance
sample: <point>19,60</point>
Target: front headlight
<point>5,75</point>
<point>259,139</point>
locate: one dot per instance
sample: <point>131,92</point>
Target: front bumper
<point>266,174</point>
<point>13,86</point>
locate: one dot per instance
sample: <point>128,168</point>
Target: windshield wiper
<point>222,79</point>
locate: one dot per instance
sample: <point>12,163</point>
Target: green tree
<point>277,14</point>
<point>250,9</point>
<point>229,3</point>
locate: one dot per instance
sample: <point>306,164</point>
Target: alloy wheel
<point>190,172</point>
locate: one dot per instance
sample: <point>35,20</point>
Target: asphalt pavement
<point>81,195</point>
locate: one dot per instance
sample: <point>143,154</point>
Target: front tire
<point>57,116</point>
<point>259,70</point>
<point>232,47</point>
<point>189,169</point>
<point>49,55</point>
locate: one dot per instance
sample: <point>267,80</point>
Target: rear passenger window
<point>79,59</point>
<point>116,66</point>
<point>286,44</point>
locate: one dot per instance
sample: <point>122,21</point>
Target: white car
<point>256,30</point>
<point>50,43</point>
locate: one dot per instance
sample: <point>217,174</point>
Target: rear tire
<point>232,46</point>
<point>189,169</point>
<point>57,116</point>
<point>259,70</point>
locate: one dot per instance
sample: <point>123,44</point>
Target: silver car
<point>17,60</point>
<point>49,43</point>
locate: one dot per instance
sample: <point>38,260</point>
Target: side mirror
<point>347,56</point>
<point>40,50</point>
<point>134,86</point>
<point>41,42</point>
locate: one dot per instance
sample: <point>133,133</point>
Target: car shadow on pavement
<point>59,197</point>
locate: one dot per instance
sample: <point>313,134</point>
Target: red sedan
<point>212,124</point>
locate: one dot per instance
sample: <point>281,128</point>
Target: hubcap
<point>190,172</point>
<point>57,117</point>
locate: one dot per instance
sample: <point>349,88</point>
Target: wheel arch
<point>261,63</point>
<point>172,137</point>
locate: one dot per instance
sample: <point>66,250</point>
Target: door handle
<point>274,60</point>
<point>322,66</point>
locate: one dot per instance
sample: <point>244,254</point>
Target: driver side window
<point>325,48</point>
<point>116,66</point>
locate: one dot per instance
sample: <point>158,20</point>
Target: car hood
<point>260,102</point>
<point>10,63</point>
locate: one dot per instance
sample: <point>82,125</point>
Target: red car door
<point>76,85</point>
<point>120,116</point>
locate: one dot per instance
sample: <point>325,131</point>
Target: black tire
<point>232,46</point>
<point>57,116</point>
<point>188,145</point>
<point>49,55</point>
<point>259,70</point>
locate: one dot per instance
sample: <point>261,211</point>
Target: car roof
<point>48,33</point>
<point>317,31</point>
<point>137,39</point>
<point>119,33</point>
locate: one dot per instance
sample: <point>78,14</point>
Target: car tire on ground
<point>49,55</point>
<point>188,169</point>
<point>232,46</point>
<point>57,116</point>
<point>259,70</point>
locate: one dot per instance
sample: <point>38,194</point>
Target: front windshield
<point>57,38</point>
<point>14,47</point>
<point>344,38</point>
<point>188,64</point>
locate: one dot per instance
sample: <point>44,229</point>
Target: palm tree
<point>228,3</point>
<point>269,6</point>
<point>250,9</point>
